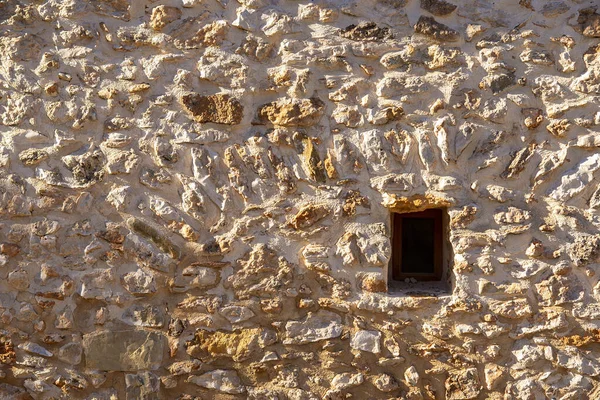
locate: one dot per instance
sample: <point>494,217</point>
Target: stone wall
<point>195,198</point>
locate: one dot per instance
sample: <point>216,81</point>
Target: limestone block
<point>131,350</point>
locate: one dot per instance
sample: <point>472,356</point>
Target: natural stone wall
<point>195,198</point>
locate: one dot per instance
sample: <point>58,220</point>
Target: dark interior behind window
<point>417,245</point>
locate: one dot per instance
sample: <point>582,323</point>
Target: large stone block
<point>132,350</point>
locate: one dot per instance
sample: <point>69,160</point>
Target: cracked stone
<point>216,108</point>
<point>436,30</point>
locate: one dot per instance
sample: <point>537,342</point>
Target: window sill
<point>419,289</point>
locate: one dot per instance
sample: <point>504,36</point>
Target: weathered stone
<point>436,30</point>
<point>196,276</point>
<point>238,345</point>
<point>19,279</point>
<point>557,290</point>
<point>585,249</point>
<point>586,311</point>
<point>533,117</point>
<point>216,108</point>
<point>309,215</point>
<point>142,386</point>
<point>558,127</point>
<point>588,22</point>
<point>226,381</point>
<point>494,109</point>
<point>494,375</point>
<point>163,15</point>
<point>123,350</point>
<point>307,149</point>
<point>518,162</point>
<point>146,316</point>
<point>589,141</point>
<point>366,31</point>
<point>315,327</point>
<point>33,156</point>
<point>87,169</point>
<point>35,348</point>
<point>554,8</point>
<point>463,384</point>
<point>367,341</point>
<point>411,376</point>
<point>575,360</point>
<point>398,59</point>
<point>443,57</point>
<point>236,314</point>
<point>139,283</point>
<point>594,201</point>
<point>193,33</point>
<point>414,203</point>
<point>539,57</point>
<point>71,353</point>
<point>13,392</point>
<point>395,86</point>
<point>374,283</point>
<point>513,309</point>
<point>385,383</point>
<point>262,274</point>
<point>438,7</point>
<point>577,179</point>
<point>512,215</point>
<point>346,381</point>
<point>292,112</point>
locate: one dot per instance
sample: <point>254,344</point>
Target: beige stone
<point>217,108</point>
<point>238,346</point>
<point>131,350</point>
<point>292,112</point>
<point>163,15</point>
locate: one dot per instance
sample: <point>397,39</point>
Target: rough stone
<point>142,386</point>
<point>577,180</point>
<point>217,108</point>
<point>436,30</point>
<point>518,308</point>
<point>385,383</point>
<point>292,112</point>
<point>238,345</point>
<point>163,15</point>
<point>367,341</point>
<point>411,376</point>
<point>139,283</point>
<point>226,381</point>
<point>309,215</point>
<point>315,327</point>
<point>236,314</point>
<point>123,350</point>
<point>438,7</point>
<point>346,381</point>
<point>366,31</point>
<point>588,22</point>
<point>585,249</point>
<point>463,384</point>
<point>71,353</point>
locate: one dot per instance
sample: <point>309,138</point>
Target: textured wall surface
<point>195,198</point>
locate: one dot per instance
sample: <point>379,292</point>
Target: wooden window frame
<point>437,215</point>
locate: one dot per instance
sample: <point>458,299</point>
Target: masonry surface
<point>195,198</point>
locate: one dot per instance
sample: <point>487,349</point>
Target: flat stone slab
<point>315,327</point>
<point>130,350</point>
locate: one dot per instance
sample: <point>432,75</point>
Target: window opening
<point>418,245</point>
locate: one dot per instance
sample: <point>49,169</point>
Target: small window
<point>418,245</point>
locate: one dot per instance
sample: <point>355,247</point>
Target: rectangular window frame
<point>437,214</point>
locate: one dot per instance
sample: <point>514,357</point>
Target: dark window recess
<point>418,245</point>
